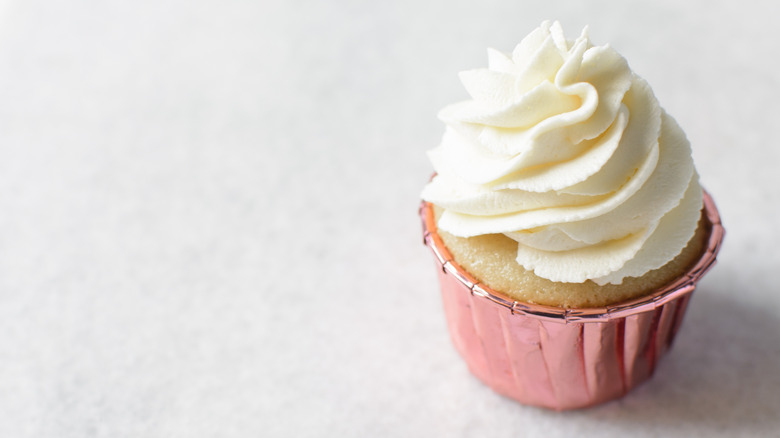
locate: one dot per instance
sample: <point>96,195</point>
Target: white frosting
<point>566,151</point>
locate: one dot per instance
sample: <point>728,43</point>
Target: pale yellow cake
<point>490,259</point>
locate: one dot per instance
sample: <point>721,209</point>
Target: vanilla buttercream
<point>565,150</point>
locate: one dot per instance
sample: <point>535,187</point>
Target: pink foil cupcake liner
<point>563,358</point>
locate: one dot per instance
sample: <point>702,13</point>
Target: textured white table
<point>208,217</point>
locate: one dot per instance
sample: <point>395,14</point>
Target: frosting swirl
<point>566,151</point>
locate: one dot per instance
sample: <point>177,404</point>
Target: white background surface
<point>208,217</point>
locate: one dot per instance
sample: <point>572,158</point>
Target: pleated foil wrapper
<point>563,358</point>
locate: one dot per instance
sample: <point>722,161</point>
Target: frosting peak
<point>565,150</point>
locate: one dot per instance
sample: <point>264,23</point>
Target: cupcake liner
<point>563,358</point>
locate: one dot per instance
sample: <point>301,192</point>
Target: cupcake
<point>568,221</point>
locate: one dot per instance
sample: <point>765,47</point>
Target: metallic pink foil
<point>563,358</point>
